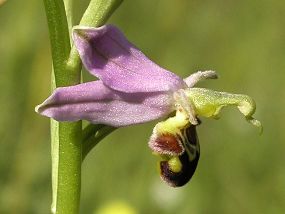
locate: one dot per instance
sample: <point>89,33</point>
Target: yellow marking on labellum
<point>175,164</point>
<point>173,125</point>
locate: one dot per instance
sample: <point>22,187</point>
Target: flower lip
<point>177,167</point>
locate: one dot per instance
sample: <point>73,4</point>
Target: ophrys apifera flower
<point>132,89</point>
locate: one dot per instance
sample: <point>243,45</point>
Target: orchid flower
<point>132,89</point>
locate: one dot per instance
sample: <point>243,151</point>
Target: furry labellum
<point>179,149</point>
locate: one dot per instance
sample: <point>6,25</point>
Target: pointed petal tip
<point>79,31</point>
<point>37,109</point>
<point>256,123</point>
<point>40,109</point>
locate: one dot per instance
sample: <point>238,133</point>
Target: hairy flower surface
<point>132,89</point>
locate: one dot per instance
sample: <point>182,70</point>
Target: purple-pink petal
<point>107,54</point>
<point>95,102</point>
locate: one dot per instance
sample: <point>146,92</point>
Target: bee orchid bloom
<point>132,89</point>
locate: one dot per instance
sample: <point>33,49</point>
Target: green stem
<point>69,13</point>
<point>99,11</point>
<point>66,137</point>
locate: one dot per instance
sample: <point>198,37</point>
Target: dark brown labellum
<point>188,160</point>
<point>178,179</point>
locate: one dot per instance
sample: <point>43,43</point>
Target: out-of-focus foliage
<point>239,171</point>
<point>2,2</point>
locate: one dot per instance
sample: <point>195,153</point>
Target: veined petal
<point>95,102</point>
<point>107,54</point>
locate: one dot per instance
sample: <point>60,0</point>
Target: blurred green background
<point>239,171</point>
